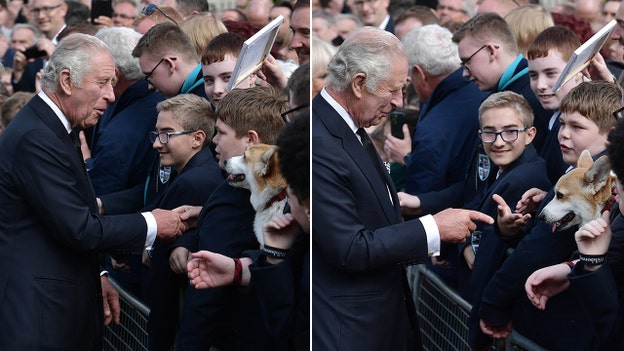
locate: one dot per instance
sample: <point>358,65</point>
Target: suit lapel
<point>352,146</point>
<point>47,116</point>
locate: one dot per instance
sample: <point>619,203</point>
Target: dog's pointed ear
<point>268,158</point>
<point>598,174</point>
<point>585,160</point>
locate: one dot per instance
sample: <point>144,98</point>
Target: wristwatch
<point>405,158</point>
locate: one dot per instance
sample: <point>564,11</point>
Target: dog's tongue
<point>554,227</point>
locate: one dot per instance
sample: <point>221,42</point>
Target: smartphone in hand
<point>397,120</point>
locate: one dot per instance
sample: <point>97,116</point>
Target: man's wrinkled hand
<point>170,225</point>
<point>456,225</point>
<point>110,297</point>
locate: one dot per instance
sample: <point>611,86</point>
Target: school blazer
<point>358,243</point>
<point>50,238</point>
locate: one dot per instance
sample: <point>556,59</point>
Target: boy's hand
<point>545,283</point>
<point>509,223</point>
<point>594,237</point>
<point>530,201</point>
<point>495,331</point>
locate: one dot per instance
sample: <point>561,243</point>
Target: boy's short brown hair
<point>558,38</point>
<point>258,109</point>
<point>596,100</point>
<point>223,44</point>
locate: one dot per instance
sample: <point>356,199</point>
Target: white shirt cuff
<point>152,229</point>
<point>433,234</point>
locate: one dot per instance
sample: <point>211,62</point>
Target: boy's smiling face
<point>543,73</point>
<point>504,153</point>
<point>578,133</point>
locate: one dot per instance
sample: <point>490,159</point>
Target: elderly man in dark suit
<point>360,244</point>
<point>50,230</point>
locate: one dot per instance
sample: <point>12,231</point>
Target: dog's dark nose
<point>225,162</point>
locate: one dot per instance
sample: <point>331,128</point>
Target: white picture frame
<point>254,51</point>
<point>583,55</point>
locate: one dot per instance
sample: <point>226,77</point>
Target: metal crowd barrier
<point>443,315</point>
<point>131,333</point>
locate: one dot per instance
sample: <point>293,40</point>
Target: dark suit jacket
<point>359,244</point>
<point>50,236</point>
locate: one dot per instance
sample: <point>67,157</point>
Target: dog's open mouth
<point>236,178</point>
<point>563,221</point>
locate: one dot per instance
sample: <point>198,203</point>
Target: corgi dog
<point>258,171</point>
<point>581,194</point>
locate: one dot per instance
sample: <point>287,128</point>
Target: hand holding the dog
<point>594,237</point>
<point>178,259</point>
<point>280,231</point>
<point>509,223</point>
<point>455,225</point>
<point>530,201</point>
<point>545,283</point>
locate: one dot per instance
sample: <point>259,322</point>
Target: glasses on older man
<point>35,11</point>
<point>150,8</point>
<point>163,137</point>
<point>507,135</point>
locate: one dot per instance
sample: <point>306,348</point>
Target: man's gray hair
<point>432,48</point>
<point>368,50</point>
<point>74,53</point>
<point>121,41</point>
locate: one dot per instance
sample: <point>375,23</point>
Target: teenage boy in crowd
<point>225,317</point>
<point>183,131</point>
<point>586,119</point>
<point>506,131</point>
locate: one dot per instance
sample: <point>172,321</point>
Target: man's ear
<point>65,82</point>
<point>252,137</point>
<point>358,84</point>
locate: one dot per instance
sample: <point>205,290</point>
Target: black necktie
<point>367,143</point>
<point>76,139</point>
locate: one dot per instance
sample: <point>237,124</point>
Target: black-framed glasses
<point>149,74</point>
<point>289,115</point>
<point>45,10</point>
<point>619,113</point>
<point>464,63</point>
<point>163,137</point>
<point>150,8</point>
<point>507,135</point>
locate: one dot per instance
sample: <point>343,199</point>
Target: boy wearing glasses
<point>586,117</point>
<point>506,131</point>
<point>184,128</point>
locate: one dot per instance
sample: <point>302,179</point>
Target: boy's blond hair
<point>257,109</point>
<point>595,100</point>
<point>509,99</point>
<point>192,112</point>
